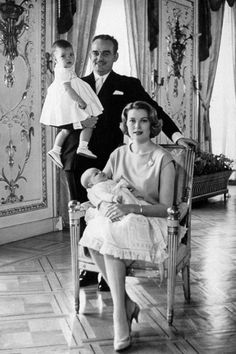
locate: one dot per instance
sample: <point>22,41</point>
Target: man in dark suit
<point>116,91</point>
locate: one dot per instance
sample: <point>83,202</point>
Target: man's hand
<point>187,142</point>
<point>89,122</point>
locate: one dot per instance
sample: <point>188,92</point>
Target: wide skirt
<point>59,109</point>
<point>134,237</point>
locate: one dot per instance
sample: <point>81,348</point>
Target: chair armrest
<point>77,210</point>
<point>183,210</point>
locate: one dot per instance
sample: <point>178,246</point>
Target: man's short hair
<point>107,37</point>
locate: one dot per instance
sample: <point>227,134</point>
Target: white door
<point>27,179</point>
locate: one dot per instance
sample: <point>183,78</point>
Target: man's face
<point>102,56</point>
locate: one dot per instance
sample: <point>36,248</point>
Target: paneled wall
<point>29,183</point>
<point>176,63</point>
<point>27,179</point>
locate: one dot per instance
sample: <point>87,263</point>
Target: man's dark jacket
<point>116,92</point>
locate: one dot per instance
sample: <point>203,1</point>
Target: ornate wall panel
<point>26,178</point>
<point>177,62</point>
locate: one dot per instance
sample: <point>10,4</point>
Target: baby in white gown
<point>102,189</point>
<point>129,232</point>
<point>68,103</point>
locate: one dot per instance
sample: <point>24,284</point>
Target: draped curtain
<point>82,31</point>
<point>207,71</point>
<point>233,19</point>
<point>216,4</point>
<point>80,36</point>
<point>223,103</point>
<point>233,16</point>
<point>137,27</point>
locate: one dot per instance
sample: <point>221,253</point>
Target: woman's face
<point>138,125</point>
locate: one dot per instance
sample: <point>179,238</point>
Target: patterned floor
<point>36,299</point>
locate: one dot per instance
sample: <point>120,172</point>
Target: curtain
<point>233,21</point>
<point>65,12</point>
<point>137,27</point>
<point>223,100</point>
<point>207,71</point>
<point>216,4</point>
<point>80,36</point>
<point>82,31</point>
<point>233,17</point>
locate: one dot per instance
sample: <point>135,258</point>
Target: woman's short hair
<point>155,123</point>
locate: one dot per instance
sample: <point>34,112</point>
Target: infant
<point>100,188</point>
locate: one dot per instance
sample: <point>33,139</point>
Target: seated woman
<point>128,232</point>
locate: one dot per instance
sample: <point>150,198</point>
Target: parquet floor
<point>36,299</point>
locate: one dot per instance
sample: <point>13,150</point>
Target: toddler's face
<point>64,57</point>
<point>97,176</point>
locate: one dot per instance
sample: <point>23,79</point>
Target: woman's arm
<point>166,196</point>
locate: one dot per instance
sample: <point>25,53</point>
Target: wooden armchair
<point>179,251</point>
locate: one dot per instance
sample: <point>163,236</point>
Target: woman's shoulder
<point>118,153</point>
<point>120,149</point>
<point>162,153</point>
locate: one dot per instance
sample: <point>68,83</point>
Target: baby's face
<point>64,57</point>
<point>97,176</point>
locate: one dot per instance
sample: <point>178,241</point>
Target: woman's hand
<point>115,211</point>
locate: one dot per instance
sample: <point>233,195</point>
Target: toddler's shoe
<point>84,151</point>
<point>55,158</point>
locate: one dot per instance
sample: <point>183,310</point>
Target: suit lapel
<point>108,86</point>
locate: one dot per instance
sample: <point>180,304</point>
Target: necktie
<point>99,83</point>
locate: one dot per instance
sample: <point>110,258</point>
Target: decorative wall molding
<point>23,173</point>
<point>177,62</point>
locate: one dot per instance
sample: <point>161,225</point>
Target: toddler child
<point>69,102</point>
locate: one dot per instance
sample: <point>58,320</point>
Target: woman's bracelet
<point>140,209</point>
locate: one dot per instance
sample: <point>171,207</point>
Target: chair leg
<point>186,282</point>
<point>172,226</point>
<point>74,239</point>
<point>74,263</point>
<point>171,289</point>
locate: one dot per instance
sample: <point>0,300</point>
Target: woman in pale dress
<point>69,103</point>
<point>129,232</point>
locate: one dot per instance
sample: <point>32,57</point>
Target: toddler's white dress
<point>134,237</point>
<point>59,109</point>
